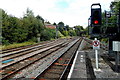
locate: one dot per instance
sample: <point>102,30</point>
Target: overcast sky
<point>71,12</point>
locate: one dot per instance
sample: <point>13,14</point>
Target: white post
<point>96,56</point>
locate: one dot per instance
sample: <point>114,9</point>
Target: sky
<point>71,12</point>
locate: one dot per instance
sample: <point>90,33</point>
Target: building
<point>50,26</point>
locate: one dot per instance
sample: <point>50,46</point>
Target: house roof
<point>50,26</point>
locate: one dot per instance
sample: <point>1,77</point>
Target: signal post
<point>96,21</point>
<point>96,46</point>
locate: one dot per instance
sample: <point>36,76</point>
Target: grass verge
<point>15,45</point>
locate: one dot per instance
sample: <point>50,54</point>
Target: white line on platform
<point>81,59</point>
<point>71,70</point>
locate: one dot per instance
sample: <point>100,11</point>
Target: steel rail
<point>26,51</point>
<point>30,55</point>
<point>7,76</point>
<point>63,76</point>
<point>22,50</point>
<point>37,77</point>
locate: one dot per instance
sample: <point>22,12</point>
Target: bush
<point>34,39</point>
<point>60,34</point>
<point>72,33</point>
<point>65,33</point>
<point>4,41</point>
<point>48,34</point>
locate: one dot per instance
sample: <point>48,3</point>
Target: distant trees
<point>47,34</point>
<point>114,7</point>
<point>30,28</point>
<point>72,32</point>
<point>12,30</point>
<point>66,30</point>
<point>16,30</point>
<point>79,30</point>
<point>33,24</point>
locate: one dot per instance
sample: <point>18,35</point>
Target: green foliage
<point>65,33</point>
<point>6,42</point>
<point>64,29</point>
<point>72,33</point>
<point>60,24</point>
<point>79,30</point>
<point>29,28</point>
<point>61,27</point>
<point>21,29</point>
<point>12,29</point>
<point>15,45</point>
<point>67,28</point>
<point>35,24</point>
<point>34,39</point>
<point>48,34</point>
<point>60,34</point>
<point>114,6</point>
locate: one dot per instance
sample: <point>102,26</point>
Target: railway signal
<point>96,18</point>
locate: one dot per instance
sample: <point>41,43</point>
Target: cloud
<point>71,12</point>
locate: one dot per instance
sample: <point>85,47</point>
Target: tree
<point>67,27</point>
<point>54,24</point>
<point>40,18</point>
<point>34,24</point>
<point>60,24</point>
<point>12,30</point>
<point>72,33</point>
<point>114,7</point>
<point>78,30</point>
<point>5,30</point>
<point>48,34</point>
<point>63,29</point>
<point>21,29</point>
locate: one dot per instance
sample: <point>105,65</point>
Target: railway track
<point>22,47</point>
<point>11,69</point>
<point>27,46</point>
<point>111,62</point>
<point>60,67</point>
<point>18,53</point>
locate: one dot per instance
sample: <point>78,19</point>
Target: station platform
<point>84,65</point>
<point>78,69</point>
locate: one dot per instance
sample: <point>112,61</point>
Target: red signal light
<point>96,22</point>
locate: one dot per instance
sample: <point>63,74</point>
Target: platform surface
<point>78,70</point>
